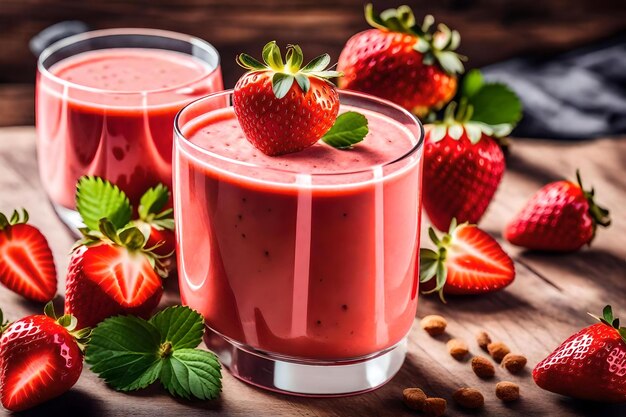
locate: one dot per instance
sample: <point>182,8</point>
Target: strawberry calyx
<point>3,324</point>
<point>151,208</point>
<point>437,46</point>
<point>600,215</point>
<point>129,237</point>
<point>290,70</point>
<point>14,219</point>
<point>611,321</point>
<point>69,322</point>
<point>433,262</point>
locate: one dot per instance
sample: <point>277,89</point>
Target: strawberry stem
<point>611,321</point>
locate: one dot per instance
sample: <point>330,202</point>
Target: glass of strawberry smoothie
<point>304,266</point>
<point>105,106</point>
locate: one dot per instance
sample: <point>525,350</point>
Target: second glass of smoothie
<point>106,102</point>
<point>303,265</point>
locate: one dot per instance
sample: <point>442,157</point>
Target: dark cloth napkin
<point>577,95</point>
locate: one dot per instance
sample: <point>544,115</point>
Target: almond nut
<point>483,367</point>
<point>434,325</point>
<point>414,398</point>
<point>469,398</point>
<point>457,348</point>
<point>498,351</point>
<point>483,339</point>
<point>514,363</point>
<point>507,391</point>
<point>435,407</point>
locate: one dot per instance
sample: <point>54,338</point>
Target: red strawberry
<point>112,274</point>
<point>590,365</point>
<point>463,161</point>
<point>26,264</point>
<point>40,358</point>
<point>283,108</point>
<point>402,61</point>
<point>467,261</point>
<point>561,216</point>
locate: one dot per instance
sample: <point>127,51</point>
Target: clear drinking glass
<point>307,280</point>
<point>105,105</point>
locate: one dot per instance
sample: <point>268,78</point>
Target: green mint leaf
<point>124,352</point>
<point>281,83</point>
<point>349,128</point>
<point>181,326</point>
<point>130,353</point>
<point>495,104</point>
<point>192,372</point>
<point>153,201</point>
<point>472,83</point>
<point>97,198</point>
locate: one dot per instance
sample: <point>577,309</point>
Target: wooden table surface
<point>547,302</point>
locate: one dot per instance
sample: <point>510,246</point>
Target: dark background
<point>492,30</point>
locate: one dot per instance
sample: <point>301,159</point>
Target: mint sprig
<point>97,198</point>
<point>349,128</point>
<point>130,353</point>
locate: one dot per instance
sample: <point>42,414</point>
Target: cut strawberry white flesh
<point>467,261</point>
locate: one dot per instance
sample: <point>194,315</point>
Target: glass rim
<point>178,135</point>
<point>65,42</point>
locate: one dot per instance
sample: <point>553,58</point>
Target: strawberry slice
<point>467,261</point>
<point>110,274</point>
<point>40,358</point>
<point>26,263</point>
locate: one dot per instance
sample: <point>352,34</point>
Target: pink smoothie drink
<point>308,255</point>
<point>109,112</point>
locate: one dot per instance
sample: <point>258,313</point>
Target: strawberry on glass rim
<point>111,272</point>
<point>589,365</point>
<point>284,107</point>
<point>562,217</point>
<point>466,261</point>
<point>403,61</point>
<point>463,159</point>
<point>41,357</point>
<point>26,263</point>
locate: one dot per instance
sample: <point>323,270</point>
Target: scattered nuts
<point>434,325</point>
<point>483,340</point>
<point>414,398</point>
<point>483,367</point>
<point>457,348</point>
<point>514,363</point>
<point>469,398</point>
<point>498,351</point>
<point>435,407</point>
<point>507,391</point>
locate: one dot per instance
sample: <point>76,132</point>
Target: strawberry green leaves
<point>290,70</point>
<point>151,208</point>
<point>485,108</point>
<point>97,198</point>
<point>130,353</point>
<point>349,128</point>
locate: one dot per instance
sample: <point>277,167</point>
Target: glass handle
<point>55,33</point>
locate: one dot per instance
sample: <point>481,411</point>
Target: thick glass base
<point>70,217</point>
<point>310,378</point>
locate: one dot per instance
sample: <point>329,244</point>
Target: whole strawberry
<point>26,264</point>
<point>463,160</point>
<point>111,273</point>
<point>560,217</point>
<point>590,365</point>
<point>283,107</point>
<point>402,61</point>
<point>41,357</point>
<point>466,261</point>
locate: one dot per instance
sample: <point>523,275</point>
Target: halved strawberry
<point>26,263</point>
<point>40,358</point>
<point>111,273</point>
<point>467,261</point>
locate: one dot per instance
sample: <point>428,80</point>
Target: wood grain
<point>492,30</point>
<point>547,302</point>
